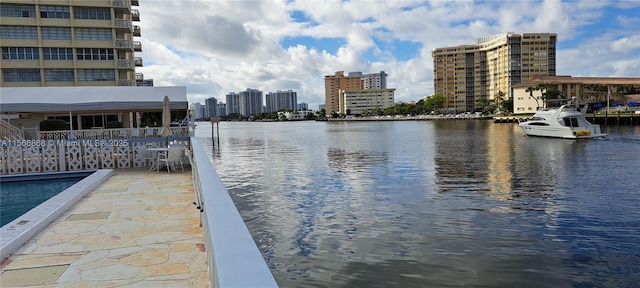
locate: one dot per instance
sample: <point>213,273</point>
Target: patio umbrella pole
<point>166,119</point>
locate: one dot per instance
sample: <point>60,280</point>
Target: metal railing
<point>118,133</point>
<point>8,131</point>
<point>123,23</point>
<point>125,63</point>
<point>30,133</point>
<point>121,4</point>
<point>233,257</point>
<point>126,82</point>
<point>124,43</point>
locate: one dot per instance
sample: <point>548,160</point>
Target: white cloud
<point>626,44</point>
<point>216,47</point>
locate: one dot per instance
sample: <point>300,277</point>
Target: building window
<point>19,32</point>
<point>58,75</point>
<point>94,54</point>
<point>96,75</point>
<point>92,13</point>
<point>56,33</point>
<point>57,53</point>
<point>58,12</point>
<point>21,75</point>
<point>20,53</point>
<point>99,34</point>
<point>18,10</point>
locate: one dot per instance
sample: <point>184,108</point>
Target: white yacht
<point>568,121</point>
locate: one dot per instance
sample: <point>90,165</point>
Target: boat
<point>568,121</point>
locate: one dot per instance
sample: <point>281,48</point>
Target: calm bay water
<point>434,203</point>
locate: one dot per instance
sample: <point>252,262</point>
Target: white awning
<point>83,98</point>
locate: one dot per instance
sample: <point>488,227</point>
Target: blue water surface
<point>434,203</point>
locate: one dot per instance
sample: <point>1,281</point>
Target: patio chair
<point>149,132</point>
<point>183,148</point>
<point>135,133</point>
<point>173,156</point>
<point>123,133</point>
<point>144,155</point>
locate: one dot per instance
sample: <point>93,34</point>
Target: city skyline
<point>292,45</point>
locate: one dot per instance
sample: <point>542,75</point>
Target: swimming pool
<point>17,232</point>
<point>18,197</point>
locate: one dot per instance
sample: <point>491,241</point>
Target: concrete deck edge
<point>17,232</point>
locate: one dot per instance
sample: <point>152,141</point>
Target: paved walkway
<point>149,237</point>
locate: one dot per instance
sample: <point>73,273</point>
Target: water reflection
<point>435,204</point>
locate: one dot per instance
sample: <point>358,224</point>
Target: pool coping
<point>17,232</point>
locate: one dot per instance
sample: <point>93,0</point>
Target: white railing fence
<point>42,156</point>
<point>30,133</point>
<point>9,131</point>
<point>233,258</point>
<point>182,131</point>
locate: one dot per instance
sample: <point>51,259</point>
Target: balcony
<point>123,24</point>
<point>126,82</point>
<point>138,61</point>
<point>135,15</point>
<point>125,44</point>
<point>137,46</point>
<point>139,76</point>
<point>125,64</point>
<point>123,5</point>
<point>136,31</point>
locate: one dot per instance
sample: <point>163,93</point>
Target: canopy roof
<point>94,98</point>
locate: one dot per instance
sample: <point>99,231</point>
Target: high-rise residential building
<point>467,73</point>
<point>332,86</point>
<point>198,110</point>
<point>69,43</point>
<point>210,104</point>
<point>233,103</point>
<point>280,100</point>
<point>221,109</point>
<point>375,80</point>
<point>250,102</point>
<point>357,101</point>
<point>302,106</point>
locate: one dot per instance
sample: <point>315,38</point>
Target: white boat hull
<point>562,132</point>
<point>565,122</point>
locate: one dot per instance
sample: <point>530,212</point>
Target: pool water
<point>17,198</point>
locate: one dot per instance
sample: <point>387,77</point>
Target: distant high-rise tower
<point>250,102</point>
<point>281,100</point>
<point>210,107</point>
<point>69,43</point>
<point>466,73</point>
<point>221,109</point>
<point>332,86</point>
<point>233,103</point>
<point>198,110</point>
<point>375,80</point>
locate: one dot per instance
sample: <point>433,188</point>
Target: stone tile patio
<point>150,237</point>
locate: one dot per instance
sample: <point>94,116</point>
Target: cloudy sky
<point>216,47</point>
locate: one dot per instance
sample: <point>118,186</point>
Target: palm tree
<point>499,97</point>
<point>531,89</point>
<point>486,105</point>
<point>599,89</point>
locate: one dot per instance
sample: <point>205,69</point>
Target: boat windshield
<point>571,122</point>
<point>538,118</point>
